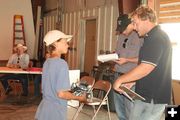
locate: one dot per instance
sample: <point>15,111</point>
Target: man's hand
<point>16,66</point>
<point>129,85</point>
<point>10,65</point>
<point>116,86</point>
<point>121,61</point>
<point>13,66</point>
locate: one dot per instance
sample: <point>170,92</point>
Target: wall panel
<point>71,24</point>
<point>9,8</point>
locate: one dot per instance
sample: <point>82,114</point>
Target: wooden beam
<point>169,11</point>
<point>177,7</point>
<point>120,6</point>
<point>169,20</point>
<point>168,1</point>
<point>170,14</point>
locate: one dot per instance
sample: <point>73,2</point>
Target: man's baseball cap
<point>122,22</point>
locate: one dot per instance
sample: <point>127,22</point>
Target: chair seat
<point>96,101</point>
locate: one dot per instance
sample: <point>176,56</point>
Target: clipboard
<point>130,94</point>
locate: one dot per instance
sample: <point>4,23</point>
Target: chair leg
<point>96,112</point>
<point>94,108</point>
<point>108,109</point>
<point>78,111</point>
<point>99,109</point>
<point>2,92</point>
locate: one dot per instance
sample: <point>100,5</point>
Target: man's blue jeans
<point>37,82</point>
<point>146,111</point>
<point>123,105</point>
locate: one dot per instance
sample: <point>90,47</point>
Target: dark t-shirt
<point>156,51</point>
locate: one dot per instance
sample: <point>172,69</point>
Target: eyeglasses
<point>124,43</point>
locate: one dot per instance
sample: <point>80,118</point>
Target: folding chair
<point>16,86</point>
<point>2,92</point>
<point>101,99</point>
<point>89,80</point>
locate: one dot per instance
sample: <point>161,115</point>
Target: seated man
<point>20,59</point>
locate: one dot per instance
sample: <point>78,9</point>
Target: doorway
<point>90,45</point>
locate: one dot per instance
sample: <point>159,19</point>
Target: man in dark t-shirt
<point>153,73</point>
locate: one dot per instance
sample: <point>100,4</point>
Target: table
<point>74,76</point>
<point>33,70</point>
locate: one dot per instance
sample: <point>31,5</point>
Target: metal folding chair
<point>16,86</point>
<point>101,98</point>
<point>2,92</point>
<point>89,80</point>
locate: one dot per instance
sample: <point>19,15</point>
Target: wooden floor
<point>13,107</point>
<point>25,109</point>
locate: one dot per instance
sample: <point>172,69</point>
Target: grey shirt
<point>22,60</point>
<point>132,44</point>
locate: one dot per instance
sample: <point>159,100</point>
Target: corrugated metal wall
<point>74,23</point>
<point>49,23</point>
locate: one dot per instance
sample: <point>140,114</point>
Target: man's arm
<point>121,61</point>
<point>137,73</point>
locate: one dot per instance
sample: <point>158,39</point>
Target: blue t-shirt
<point>55,77</point>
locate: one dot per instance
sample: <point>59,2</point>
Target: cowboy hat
<point>19,46</point>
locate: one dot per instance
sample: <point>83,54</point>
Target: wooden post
<point>120,6</point>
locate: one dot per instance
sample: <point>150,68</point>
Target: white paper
<point>74,76</point>
<point>107,57</point>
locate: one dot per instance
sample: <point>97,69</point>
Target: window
<point>172,29</point>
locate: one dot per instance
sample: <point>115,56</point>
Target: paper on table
<point>107,57</point>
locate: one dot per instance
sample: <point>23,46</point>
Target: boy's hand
<point>83,98</point>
